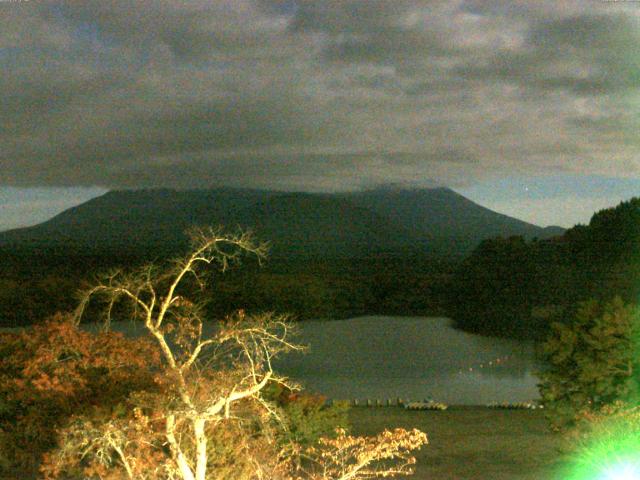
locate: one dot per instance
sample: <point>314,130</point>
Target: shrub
<point>358,458</point>
<point>590,361</point>
<point>309,417</point>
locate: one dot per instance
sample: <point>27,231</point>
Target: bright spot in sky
<point>553,199</point>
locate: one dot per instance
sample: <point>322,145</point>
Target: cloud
<point>314,95</point>
<point>586,54</point>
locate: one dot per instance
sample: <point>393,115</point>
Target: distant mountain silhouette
<point>445,218</point>
<point>355,224</point>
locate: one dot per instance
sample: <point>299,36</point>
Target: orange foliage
<point>347,457</point>
<point>54,371</point>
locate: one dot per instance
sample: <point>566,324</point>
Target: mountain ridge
<point>350,224</point>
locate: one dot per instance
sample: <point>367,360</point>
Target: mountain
<point>448,220</point>
<point>355,224</point>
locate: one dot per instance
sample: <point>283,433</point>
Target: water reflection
<point>415,358</point>
<point>412,358</point>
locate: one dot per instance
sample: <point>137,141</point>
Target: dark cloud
<point>350,16</point>
<point>587,54</point>
<point>314,94</point>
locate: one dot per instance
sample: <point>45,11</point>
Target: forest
<point>511,287</point>
<point>507,287</point>
<point>36,285</point>
<point>184,401</point>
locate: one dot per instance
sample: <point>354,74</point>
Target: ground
<point>473,443</point>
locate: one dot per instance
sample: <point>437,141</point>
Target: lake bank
<point>465,443</point>
<point>472,443</point>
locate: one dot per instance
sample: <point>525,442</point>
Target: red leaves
<point>55,370</point>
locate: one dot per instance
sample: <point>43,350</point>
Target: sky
<point>531,108</point>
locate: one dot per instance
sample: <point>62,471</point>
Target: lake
<point>412,358</point>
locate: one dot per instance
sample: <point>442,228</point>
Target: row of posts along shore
<point>368,402</point>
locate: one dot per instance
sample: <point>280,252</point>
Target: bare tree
<point>209,373</point>
<point>211,382</point>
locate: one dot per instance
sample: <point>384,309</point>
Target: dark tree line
<point>512,287</point>
<point>35,285</point>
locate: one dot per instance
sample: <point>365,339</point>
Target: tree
<point>493,288</point>
<point>55,371</point>
<point>237,357</point>
<point>590,361</point>
<point>208,416</point>
<point>346,457</point>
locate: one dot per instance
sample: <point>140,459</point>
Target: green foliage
<point>308,417</point>
<point>590,361</point>
<point>325,289</point>
<point>494,289</point>
<point>29,300</point>
<point>330,295</point>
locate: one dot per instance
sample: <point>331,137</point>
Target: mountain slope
<point>324,225</point>
<point>302,224</point>
<point>448,220</point>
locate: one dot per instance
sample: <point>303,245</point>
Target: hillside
<point>516,288</point>
<point>448,220</point>
<point>350,225</point>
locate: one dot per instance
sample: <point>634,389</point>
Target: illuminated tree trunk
<point>178,455</point>
<point>201,449</point>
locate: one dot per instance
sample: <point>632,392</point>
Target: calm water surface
<point>412,358</point>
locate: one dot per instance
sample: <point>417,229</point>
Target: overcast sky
<point>529,107</point>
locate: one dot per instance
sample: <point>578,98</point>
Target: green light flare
<point>611,450</point>
<point>607,468</point>
<point>622,471</point>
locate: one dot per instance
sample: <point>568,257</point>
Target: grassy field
<point>472,443</point>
